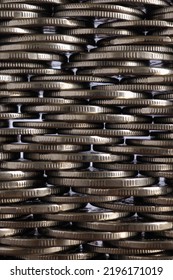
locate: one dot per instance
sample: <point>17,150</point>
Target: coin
<point>8,232</point>
<point>102,7</point>
<point>152,244</point>
<point>26,241</point>
<point>134,167</point>
<point>57,125</point>
<point>38,100</point>
<point>98,118</point>
<point>90,174</point>
<point>18,175</point>
<point>23,131</point>
<point>103,182</point>
<point>139,191</point>
<point>77,157</point>
<point>87,215</point>
<point>86,235</point>
<point>148,257</point>
<point>20,224</point>
<point>10,14</point>
<point>118,55</point>
<point>105,132</point>
<point>40,165</point>
<point>30,56</point>
<point>42,208</point>
<point>69,139</point>
<point>65,256</point>
<point>160,200</point>
<point>131,102</point>
<point>78,198</point>
<point>39,47</point>
<point>97,14</point>
<point>127,225</point>
<point>125,71</point>
<point>46,38</point>
<point>44,148</point>
<point>14,185</point>
<point>123,206</point>
<point>46,21</point>
<point>26,193</point>
<point>75,109</point>
<point>94,247</point>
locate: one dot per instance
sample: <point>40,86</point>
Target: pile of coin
<point>86,118</point>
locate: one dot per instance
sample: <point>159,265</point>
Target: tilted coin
<point>79,198</point>
<point>23,131</point>
<point>46,38</point>
<point>160,200</point>
<point>97,14</point>
<point>8,232</point>
<point>149,111</point>
<point>15,30</point>
<point>90,174</point>
<point>94,247</point>
<point>98,94</point>
<point>148,257</point>
<point>11,14</point>
<point>86,235</point>
<point>20,224</point>
<point>152,244</point>
<point>100,31</point>
<point>42,208</point>
<point>150,142</point>
<point>44,100</point>
<point>29,56</point>
<point>151,3</point>
<point>20,184</point>
<point>69,139</point>
<point>161,217</point>
<point>72,78</point>
<point>42,85</point>
<point>39,47</point>
<point>103,182</point>
<point>104,132</point>
<point>123,206</point>
<point>21,6</point>
<point>47,21</point>
<point>137,40</point>
<point>97,118</point>
<point>145,87</point>
<point>56,124</point>
<point>127,225</point>
<point>87,215</point>
<point>5,116</point>
<point>65,256</point>
<point>27,192</point>
<point>26,241</point>
<point>103,63</point>
<point>142,126</point>
<point>22,251</point>
<point>155,159</point>
<point>98,6</point>
<point>118,55</point>
<point>9,78</point>
<point>125,71</point>
<point>8,156</point>
<point>148,48</point>
<point>41,165</point>
<point>75,109</point>
<point>44,148</point>
<point>134,167</point>
<point>132,102</point>
<point>18,175</point>
<point>77,157</point>
<point>139,191</point>
<point>141,24</point>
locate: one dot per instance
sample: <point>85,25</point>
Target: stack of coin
<point>86,153</point>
